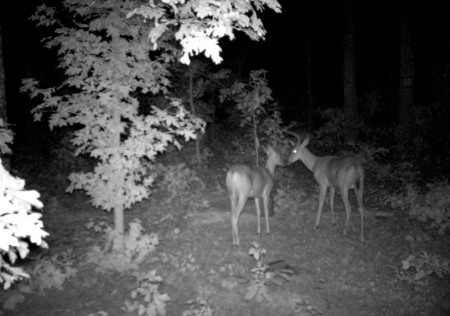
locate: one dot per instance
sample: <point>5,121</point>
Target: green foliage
<point>434,208</point>
<point>273,130</point>
<point>199,25</point>
<point>250,97</point>
<point>137,246</point>
<point>253,101</point>
<point>431,207</point>
<point>397,174</point>
<point>97,226</point>
<point>206,82</point>
<point>6,138</point>
<point>19,226</point>
<point>146,298</point>
<point>107,61</point>
<point>263,276</point>
<point>305,308</point>
<point>47,273</point>
<point>368,154</point>
<point>107,64</point>
<point>418,269</point>
<point>52,272</point>
<point>179,180</point>
<point>198,307</point>
<point>404,200</point>
<point>331,134</point>
<point>258,287</point>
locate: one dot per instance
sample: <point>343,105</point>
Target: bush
<point>434,209</point>
<point>179,180</point>
<point>18,226</point>
<point>431,207</point>
<point>417,269</point>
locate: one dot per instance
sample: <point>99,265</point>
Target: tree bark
<point>194,112</point>
<point>309,72</point>
<point>3,114</point>
<point>406,87</point>
<point>350,98</point>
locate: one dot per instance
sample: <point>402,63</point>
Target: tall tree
<point>406,87</point>
<point>108,52</point>
<point>350,98</point>
<point>3,115</point>
<point>309,68</point>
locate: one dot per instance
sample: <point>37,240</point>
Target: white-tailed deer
<point>342,172</point>
<point>245,182</point>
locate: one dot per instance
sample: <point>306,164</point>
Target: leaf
<point>263,291</point>
<point>277,281</point>
<point>252,290</point>
<point>406,264</point>
<point>419,275</point>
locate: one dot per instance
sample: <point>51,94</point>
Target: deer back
<point>338,171</point>
<point>252,181</point>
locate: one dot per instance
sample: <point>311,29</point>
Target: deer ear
<point>305,142</point>
<point>268,149</point>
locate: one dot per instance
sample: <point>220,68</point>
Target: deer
<point>244,182</point>
<point>341,172</point>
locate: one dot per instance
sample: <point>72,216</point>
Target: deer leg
<point>236,210</point>
<point>258,214</point>
<point>359,197</point>
<point>266,211</point>
<point>344,194</point>
<point>322,193</point>
<point>332,192</point>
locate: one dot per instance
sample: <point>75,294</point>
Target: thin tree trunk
<point>3,114</point>
<point>406,88</point>
<point>309,72</point>
<point>119,225</point>
<point>191,101</point>
<point>350,98</point>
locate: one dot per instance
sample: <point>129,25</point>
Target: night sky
<point>282,53</point>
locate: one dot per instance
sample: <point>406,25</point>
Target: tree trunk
<point>350,99</point>
<point>309,72</point>
<point>191,101</point>
<point>3,115</point>
<point>119,225</point>
<point>406,70</point>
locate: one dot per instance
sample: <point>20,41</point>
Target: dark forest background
<point>304,56</point>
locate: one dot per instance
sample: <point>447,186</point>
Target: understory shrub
<point>179,180</point>
<point>431,207</point>
<point>419,268</point>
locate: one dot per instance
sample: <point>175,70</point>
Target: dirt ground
<point>332,274</point>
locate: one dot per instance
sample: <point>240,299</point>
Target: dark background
<point>282,53</point>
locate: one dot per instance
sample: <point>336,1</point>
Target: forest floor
<point>330,274</point>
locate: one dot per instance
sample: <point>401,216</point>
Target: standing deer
<point>342,172</point>
<point>245,182</point>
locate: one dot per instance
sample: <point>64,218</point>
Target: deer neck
<point>309,159</point>
<point>270,166</point>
